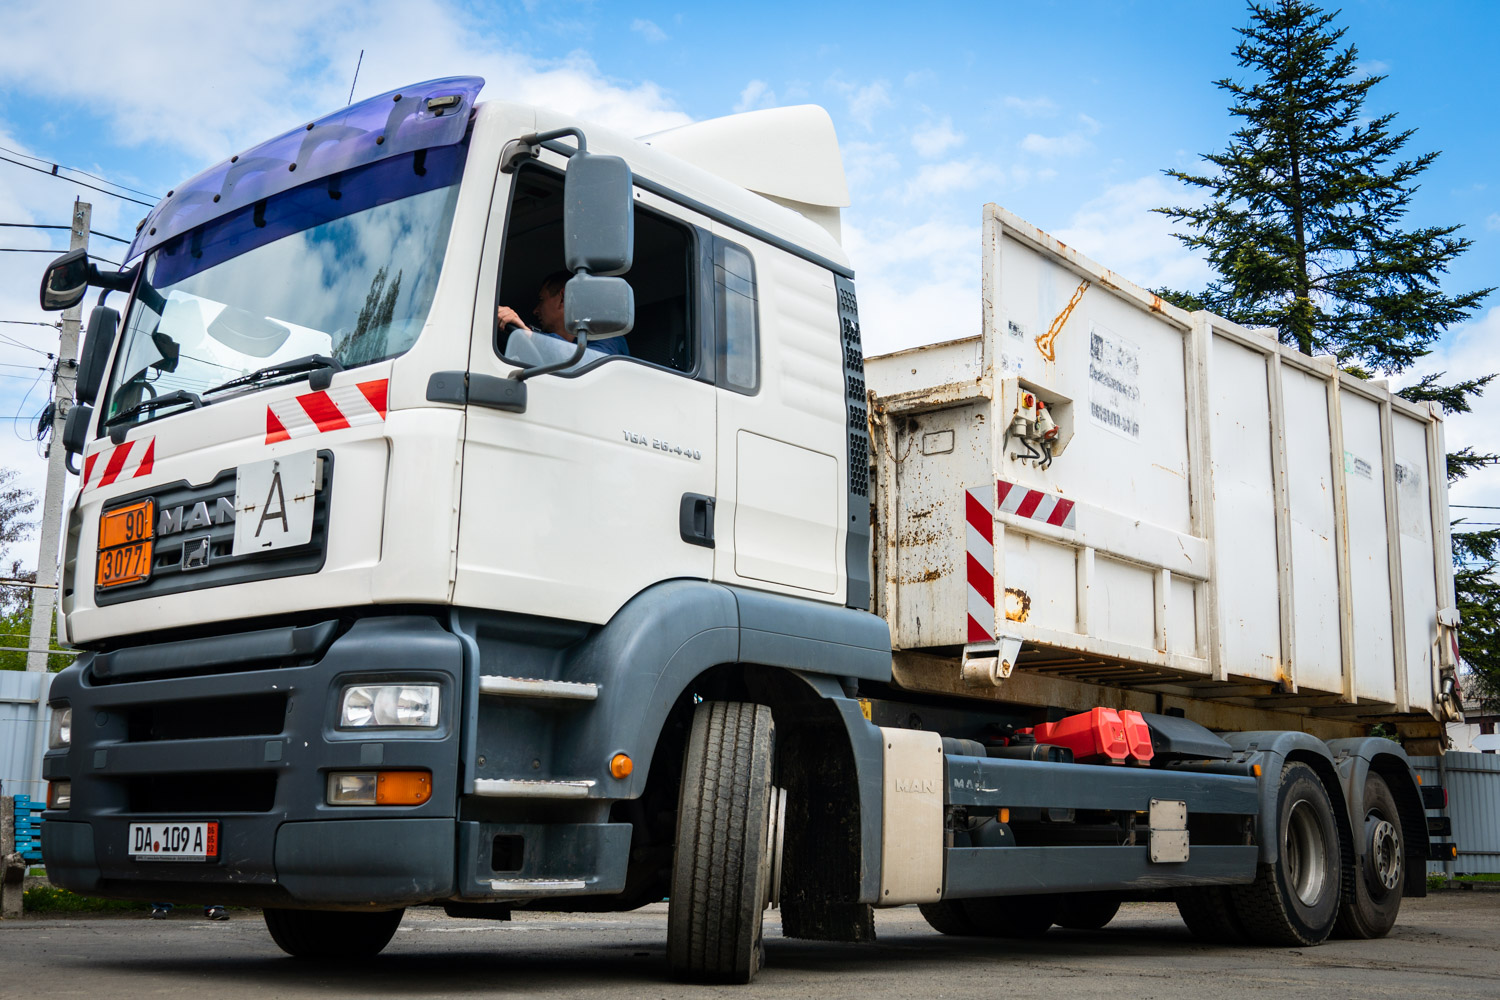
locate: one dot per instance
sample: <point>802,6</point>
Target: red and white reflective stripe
<point>127,460</point>
<point>326,410</point>
<point>979,530</point>
<point>1035,505</point>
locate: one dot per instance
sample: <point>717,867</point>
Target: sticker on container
<point>1411,501</point>
<point>273,503</point>
<point>1356,466</point>
<point>1114,382</point>
<point>1013,347</point>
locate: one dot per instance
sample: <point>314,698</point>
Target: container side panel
<point>1182,618</point>
<point>1041,582</point>
<point>1418,572</point>
<point>1123,603</point>
<point>1116,380</point>
<point>938,456</point>
<point>1244,519</point>
<point>1315,582</point>
<point>1369,572</point>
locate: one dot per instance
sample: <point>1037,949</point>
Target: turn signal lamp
<point>621,766</point>
<point>59,794</point>
<point>379,788</point>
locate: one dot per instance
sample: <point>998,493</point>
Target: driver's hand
<point>509,317</point>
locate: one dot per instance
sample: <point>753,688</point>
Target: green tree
<point>1304,216</point>
<point>1304,223</point>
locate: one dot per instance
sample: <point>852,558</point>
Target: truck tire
<point>948,917</point>
<point>1011,916</point>
<point>1209,914</point>
<point>1372,910</point>
<point>1295,901</point>
<point>721,871</point>
<point>1086,911</point>
<point>324,934</point>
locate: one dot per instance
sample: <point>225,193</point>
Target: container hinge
<point>991,662</point>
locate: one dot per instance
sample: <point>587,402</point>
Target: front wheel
<point>722,869</point>
<point>1295,900</point>
<point>1371,913</point>
<point>324,934</point>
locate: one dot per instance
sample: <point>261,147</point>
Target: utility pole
<point>65,374</point>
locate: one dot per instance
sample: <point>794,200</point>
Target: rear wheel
<point>1209,914</point>
<point>948,917</point>
<point>1086,911</point>
<point>1295,900</point>
<point>324,934</point>
<point>721,871</point>
<point>1010,916</point>
<point>1371,913</point>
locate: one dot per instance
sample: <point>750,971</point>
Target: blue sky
<point>1065,113</point>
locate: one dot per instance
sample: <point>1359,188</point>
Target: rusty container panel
<point>1202,514</point>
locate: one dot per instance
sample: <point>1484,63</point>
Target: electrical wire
<point>29,322</point>
<point>38,225</point>
<point>1476,506</point>
<point>47,250</point>
<point>41,159</point>
<point>74,180</point>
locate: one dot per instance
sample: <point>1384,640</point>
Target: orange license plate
<point>125,545</point>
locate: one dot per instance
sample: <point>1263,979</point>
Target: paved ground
<point>1443,947</point>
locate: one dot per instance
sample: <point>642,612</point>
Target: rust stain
<point>1017,604</point>
<point>927,577</point>
<point>1046,343</point>
<point>1156,303</point>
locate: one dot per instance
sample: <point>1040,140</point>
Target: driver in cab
<point>549,317</point>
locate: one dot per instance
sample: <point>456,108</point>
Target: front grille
<point>204,792</point>
<point>170,575</point>
<point>207,718</point>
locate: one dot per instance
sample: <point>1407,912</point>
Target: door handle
<point>695,519</point>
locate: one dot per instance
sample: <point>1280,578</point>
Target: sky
<point>1066,113</point>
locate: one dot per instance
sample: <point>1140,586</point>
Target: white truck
<point>384,604</point>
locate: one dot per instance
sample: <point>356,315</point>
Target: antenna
<point>356,76</point>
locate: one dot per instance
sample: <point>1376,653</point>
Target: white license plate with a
<point>174,841</point>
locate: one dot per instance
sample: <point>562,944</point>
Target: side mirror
<point>103,323</point>
<point>600,307</point>
<point>598,215</point>
<point>76,431</point>
<point>65,281</point>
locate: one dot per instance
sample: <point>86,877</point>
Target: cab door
<point>590,495</point>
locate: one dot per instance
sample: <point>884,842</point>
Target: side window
<point>737,336</point>
<point>663,277</point>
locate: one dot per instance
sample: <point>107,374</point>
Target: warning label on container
<point>1114,382</point>
<point>1411,501</point>
<point>1013,347</point>
<point>1356,466</point>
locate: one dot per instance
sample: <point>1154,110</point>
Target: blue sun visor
<point>422,116</point>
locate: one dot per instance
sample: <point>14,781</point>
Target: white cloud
<point>285,61</point>
<point>1470,350</point>
<point>933,180</point>
<point>757,94</point>
<point>1071,144</point>
<point>917,285</point>
<point>1492,222</point>
<point>648,30</point>
<point>936,138</point>
<point>864,101</point>
<point>1119,230</point>
<point>1031,107</point>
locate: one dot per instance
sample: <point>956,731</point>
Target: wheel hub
<point>1306,854</point>
<point>1385,853</point>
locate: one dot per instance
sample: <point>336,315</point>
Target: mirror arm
<point>528,146</point>
<point>111,281</point>
<point>523,374</point>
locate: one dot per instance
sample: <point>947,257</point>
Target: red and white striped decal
<point>979,530</point>
<point>127,460</point>
<point>1035,505</point>
<point>326,410</point>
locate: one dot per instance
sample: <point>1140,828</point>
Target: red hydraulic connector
<point>1099,736</point>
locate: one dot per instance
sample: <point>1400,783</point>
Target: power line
<point>74,180</point>
<point>38,225</point>
<point>1476,506</point>
<point>41,159</point>
<point>28,322</point>
<point>51,251</point>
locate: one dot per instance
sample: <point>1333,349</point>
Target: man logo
<point>927,786</point>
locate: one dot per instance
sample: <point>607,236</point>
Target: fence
<point>24,719</point>
<point>1473,783</point>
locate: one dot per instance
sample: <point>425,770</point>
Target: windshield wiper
<point>321,365</point>
<point>117,433</point>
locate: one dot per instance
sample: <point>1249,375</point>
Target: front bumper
<point>250,743</point>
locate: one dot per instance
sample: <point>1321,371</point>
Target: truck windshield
<point>345,267</point>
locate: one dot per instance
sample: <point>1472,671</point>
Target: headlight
<point>369,705</point>
<point>61,734</point>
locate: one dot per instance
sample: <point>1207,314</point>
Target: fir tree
<point>1303,221</point>
<point>1304,225</point>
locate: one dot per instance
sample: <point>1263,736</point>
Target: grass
<point>1438,881</point>
<point>50,899</point>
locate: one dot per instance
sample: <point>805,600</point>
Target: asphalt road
<point>1444,946</point>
